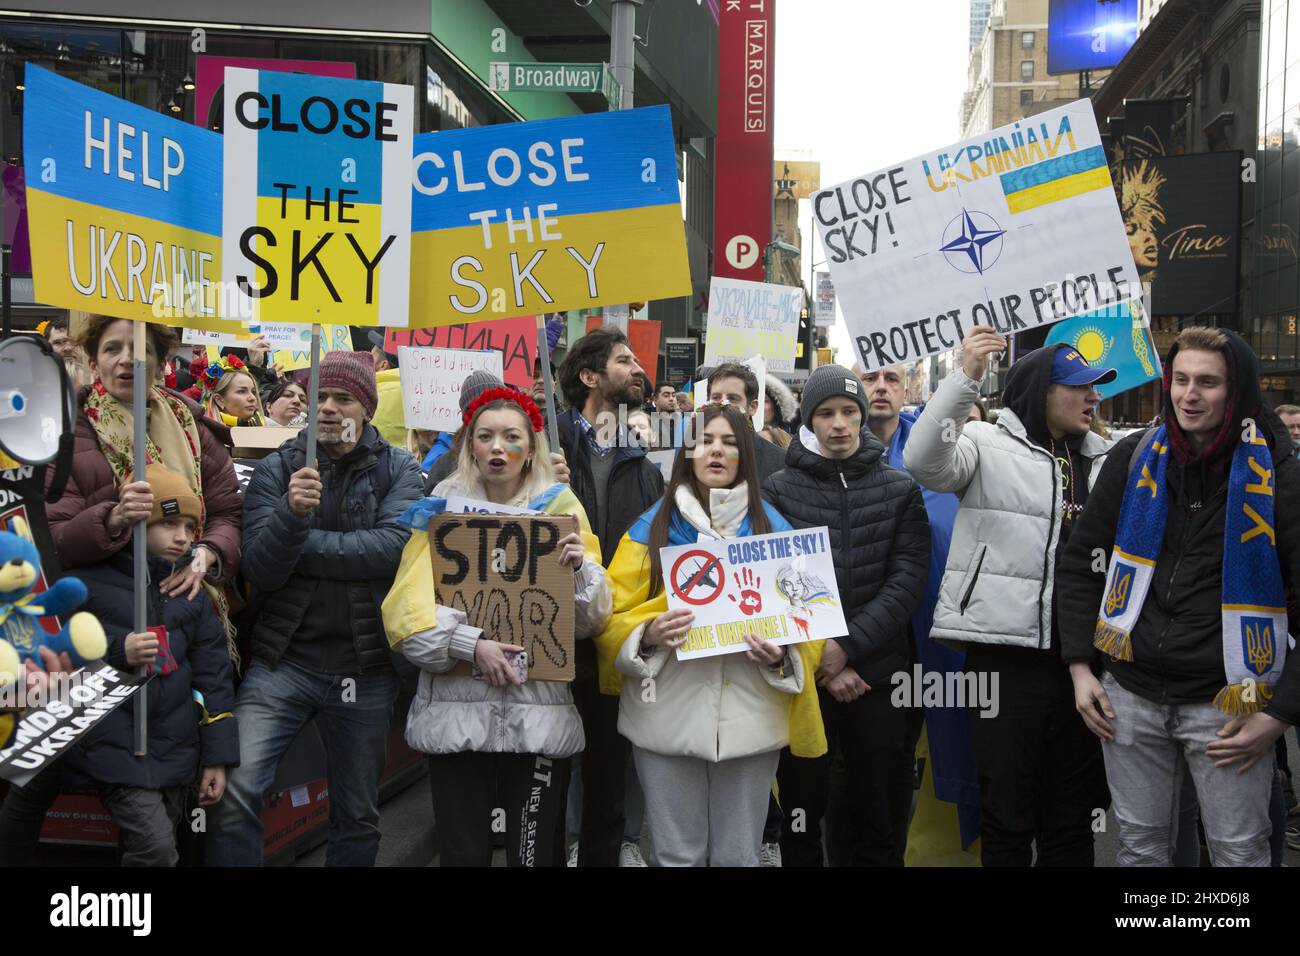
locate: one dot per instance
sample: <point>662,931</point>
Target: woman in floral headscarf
<point>94,518</point>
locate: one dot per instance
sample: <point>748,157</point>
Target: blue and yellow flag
<point>548,216</point>
<point>1118,338</point>
<point>124,206</point>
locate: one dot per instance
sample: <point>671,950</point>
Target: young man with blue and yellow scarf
<point>1186,620</point>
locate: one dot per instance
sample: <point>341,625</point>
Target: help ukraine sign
<point>124,206</point>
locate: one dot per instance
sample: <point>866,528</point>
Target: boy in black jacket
<point>192,731</point>
<point>836,475</point>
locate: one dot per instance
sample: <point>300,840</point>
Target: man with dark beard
<point>616,483</point>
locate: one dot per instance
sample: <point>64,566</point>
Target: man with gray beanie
<point>321,546</point>
<point>835,475</point>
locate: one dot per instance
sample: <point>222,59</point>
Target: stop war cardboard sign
<point>504,572</point>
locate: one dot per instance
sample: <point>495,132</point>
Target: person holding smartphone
<point>494,740</point>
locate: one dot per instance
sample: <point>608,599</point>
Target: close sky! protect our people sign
<point>1016,229</point>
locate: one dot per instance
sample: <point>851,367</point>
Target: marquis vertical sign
<point>742,208</point>
<point>316,215</point>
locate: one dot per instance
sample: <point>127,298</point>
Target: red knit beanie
<point>353,372</point>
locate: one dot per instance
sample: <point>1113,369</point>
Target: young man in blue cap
<point>1022,483</point>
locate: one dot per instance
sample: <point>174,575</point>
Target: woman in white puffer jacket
<point>497,741</point>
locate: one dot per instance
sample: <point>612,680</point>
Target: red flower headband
<point>509,395</point>
<point>211,375</point>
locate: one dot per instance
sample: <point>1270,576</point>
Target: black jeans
<point>603,764</point>
<point>23,815</point>
<point>476,792</point>
<point>1041,773</point>
<point>876,744</point>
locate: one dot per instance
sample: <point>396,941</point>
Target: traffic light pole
<point>622,47</point>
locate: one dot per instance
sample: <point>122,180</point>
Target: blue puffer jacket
<point>178,746</point>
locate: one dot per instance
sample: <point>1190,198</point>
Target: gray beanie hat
<point>831,381</point>
<point>475,384</point>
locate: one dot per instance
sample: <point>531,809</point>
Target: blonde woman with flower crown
<point>501,741</point>
<point>230,393</point>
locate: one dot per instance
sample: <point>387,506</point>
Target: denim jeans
<point>274,703</point>
<point>1145,772</point>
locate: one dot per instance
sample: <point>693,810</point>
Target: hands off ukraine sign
<point>316,221</point>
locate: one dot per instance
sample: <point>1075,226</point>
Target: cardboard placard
<point>431,381</point>
<point>504,572</point>
<point>258,442</point>
<point>780,587</point>
<point>752,318</point>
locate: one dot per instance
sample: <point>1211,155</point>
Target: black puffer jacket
<point>1178,638</point>
<point>634,484</point>
<point>336,565</point>
<point>197,659</point>
<point>880,542</point>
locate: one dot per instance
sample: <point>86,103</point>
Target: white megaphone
<point>36,409</point>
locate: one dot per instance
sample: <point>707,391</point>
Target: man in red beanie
<point>321,546</point>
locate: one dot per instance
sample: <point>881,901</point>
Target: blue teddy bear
<point>21,635</point>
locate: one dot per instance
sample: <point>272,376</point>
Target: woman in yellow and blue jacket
<point>706,733</point>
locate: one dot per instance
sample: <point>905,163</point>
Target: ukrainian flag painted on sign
<point>316,215</point>
<point>547,216</point>
<point>1056,179</point>
<point>124,206</point>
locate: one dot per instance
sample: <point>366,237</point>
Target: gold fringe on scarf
<point>1111,640</point>
<point>1238,700</point>
<point>222,606</point>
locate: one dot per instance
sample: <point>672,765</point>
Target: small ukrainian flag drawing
<point>1056,179</point>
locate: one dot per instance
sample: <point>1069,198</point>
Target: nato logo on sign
<point>972,242</point>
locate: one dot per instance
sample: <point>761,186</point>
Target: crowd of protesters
<point>1128,600</point>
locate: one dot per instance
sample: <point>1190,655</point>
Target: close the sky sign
<point>316,208</point>
<point>546,216</point>
<point>777,587</point>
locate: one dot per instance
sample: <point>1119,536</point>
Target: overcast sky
<point>864,83</point>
